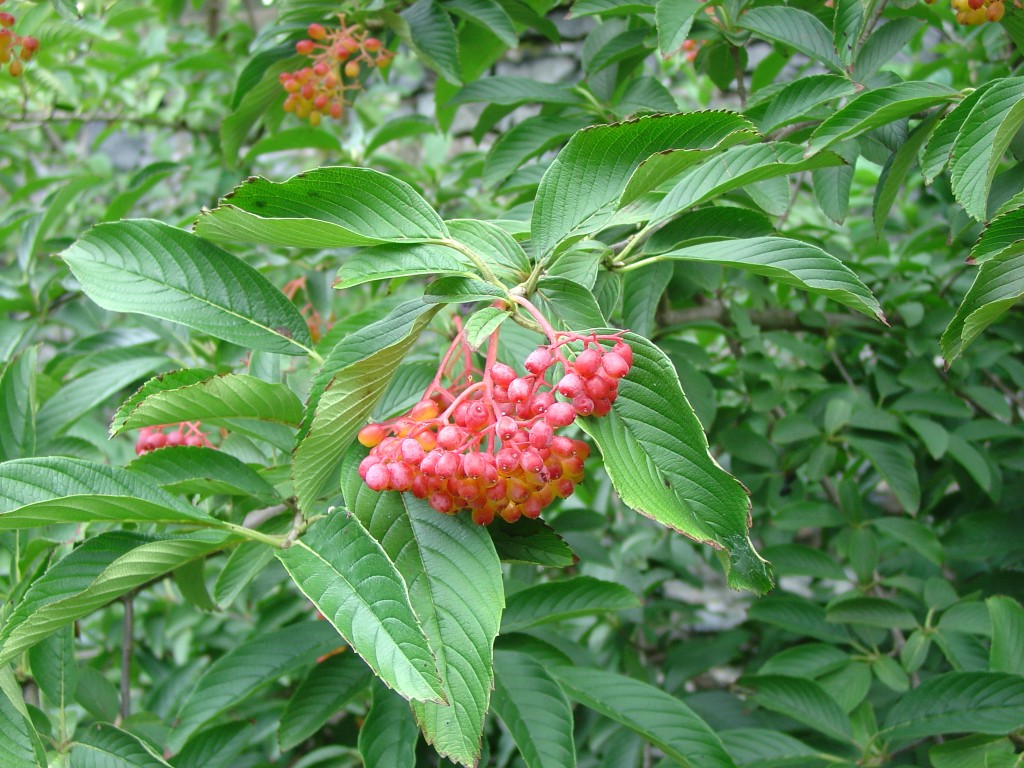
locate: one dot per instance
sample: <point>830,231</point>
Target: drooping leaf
<point>387,262</point>
<point>883,44</point>
<point>673,19</point>
<point>790,262</point>
<point>248,668</point>
<point>327,207</point>
<point>489,15</point>
<point>659,718</point>
<point>19,743</point>
<point>54,667</point>
<point>333,564</point>
<point>153,269</point>
<point>101,745</point>
<point>998,286</point>
<point>1007,651</point>
<point>226,396</point>
<point>432,35</point>
<point>18,406</point>
<point>100,570</point>
<point>215,747</point>
<point>511,91</point>
<point>795,28</point>
<point>55,489</point>
<point>757,747</point>
<point>534,709</point>
<point>197,470</point>
<point>895,463</point>
<point>939,149</point>
<point>656,454</point>
<point>872,612</point>
<point>957,702</point>
<point>389,734</point>
<point>803,700</point>
<point>802,95</point>
<point>558,600</point>
<point>529,138</point>
<point>568,305</point>
<point>1005,232</point>
<point>530,541</point>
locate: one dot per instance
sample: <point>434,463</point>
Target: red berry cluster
<point>493,449</point>
<point>338,55</point>
<point>10,43</point>
<point>187,433</point>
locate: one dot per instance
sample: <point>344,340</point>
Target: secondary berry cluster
<point>15,49</point>
<point>490,444</point>
<point>187,433</point>
<point>973,13</point>
<point>339,56</point>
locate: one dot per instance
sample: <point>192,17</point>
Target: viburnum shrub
<point>339,57</point>
<point>15,49</point>
<point>487,442</point>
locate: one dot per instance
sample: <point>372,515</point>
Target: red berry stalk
<point>187,433</point>
<point>490,445</point>
<point>338,56</point>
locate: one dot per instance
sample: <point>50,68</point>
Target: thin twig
<point>127,645</point>
<point>741,87</point>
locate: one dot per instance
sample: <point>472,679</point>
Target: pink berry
<point>560,415</point>
<point>538,361</point>
<point>378,477</point>
<point>571,385</point>
<point>519,390</point>
<point>615,365</point>
<point>502,374</point>
<point>588,363</point>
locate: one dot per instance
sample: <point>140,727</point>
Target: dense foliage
<point>512,382</point>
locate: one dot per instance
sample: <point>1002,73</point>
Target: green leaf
<point>18,406</point>
<point>534,709</point>
<point>248,668</point>
<point>592,170</point>
<point>102,745</point>
<point>715,222</point>
<point>870,612</point>
<point>970,751</point>
<point>387,262</point>
<point>483,323</point>
<point>790,262</point>
<point>494,245</point>
<point>54,667</point>
<point>802,95</point>
<point>673,19</point>
<point>662,720</point>
<point>641,296</point>
<point>250,108</point>
<point>77,398</point>
<point>568,304</point>
<point>326,689</point>
<point>327,207</point>
<point>611,7</point>
<point>400,127</point>
<point>737,168</point>
<point>153,269</point>
<point>1007,652</point>
<point>191,470</point>
<point>883,44</point>
<point>19,743</point>
<point>796,29</point>
<point>803,700</point>
<point>459,290</point>
<point>799,616</point>
<point>305,137</point>
<point>216,747</point>
<point>760,747</point>
<point>957,702</point>
<point>432,35</point>
<point>1004,233</point>
<point>873,109</point>
<point>489,15</point>
<point>389,734</point>
<point>567,599</point>
<point>97,572</point>
<point>529,138</point>
<point>656,454</point>
<point>332,564</point>
<point>454,579</point>
<point>983,138</point>
<point>530,541</point>
<point>624,45</point>
<point>894,174</point>
<point>97,694</point>
<point>511,91</point>
<point>939,148</point>
<point>999,285</point>
<point>55,489</point>
<point>345,391</point>
<point>225,396</point>
<point>894,462</point>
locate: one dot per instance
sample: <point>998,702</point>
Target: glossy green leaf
<point>100,570</point>
<point>1004,233</point>
<point>54,667</point>
<point>641,296</point>
<point>761,747</point>
<point>529,138</point>
<point>985,135</point>
<point>530,541</point>
<point>36,492</point>
<point>957,702</point>
<point>511,91</point>
<point>454,579</point>
<point>534,709</point>
<point>216,747</point>
<point>656,454</point>
<point>483,323</point>
<point>496,247</point>
<point>999,285</point>
<point>153,269</point>
<point>489,15</point>
<point>332,564</point>
<point>389,734</point>
<point>19,743</point>
<point>18,406</point>
<point>796,29</point>
<point>387,262</point>
<point>353,378</point>
<point>674,19</point>
<point>894,174</point>
<point>558,600</point>
<point>883,44</point>
<point>871,612</point>
<point>894,462</point>
<point>802,95</point>
<point>204,471</point>
<point>248,668</point>
<point>790,262</point>
<point>659,718</point>
<point>432,35</point>
<point>939,149</point>
<point>803,700</point>
<point>592,170</point>
<point>102,745</point>
<point>568,305</point>
<point>878,107</point>
<point>226,396</point>
<point>327,207</point>
<point>325,690</point>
